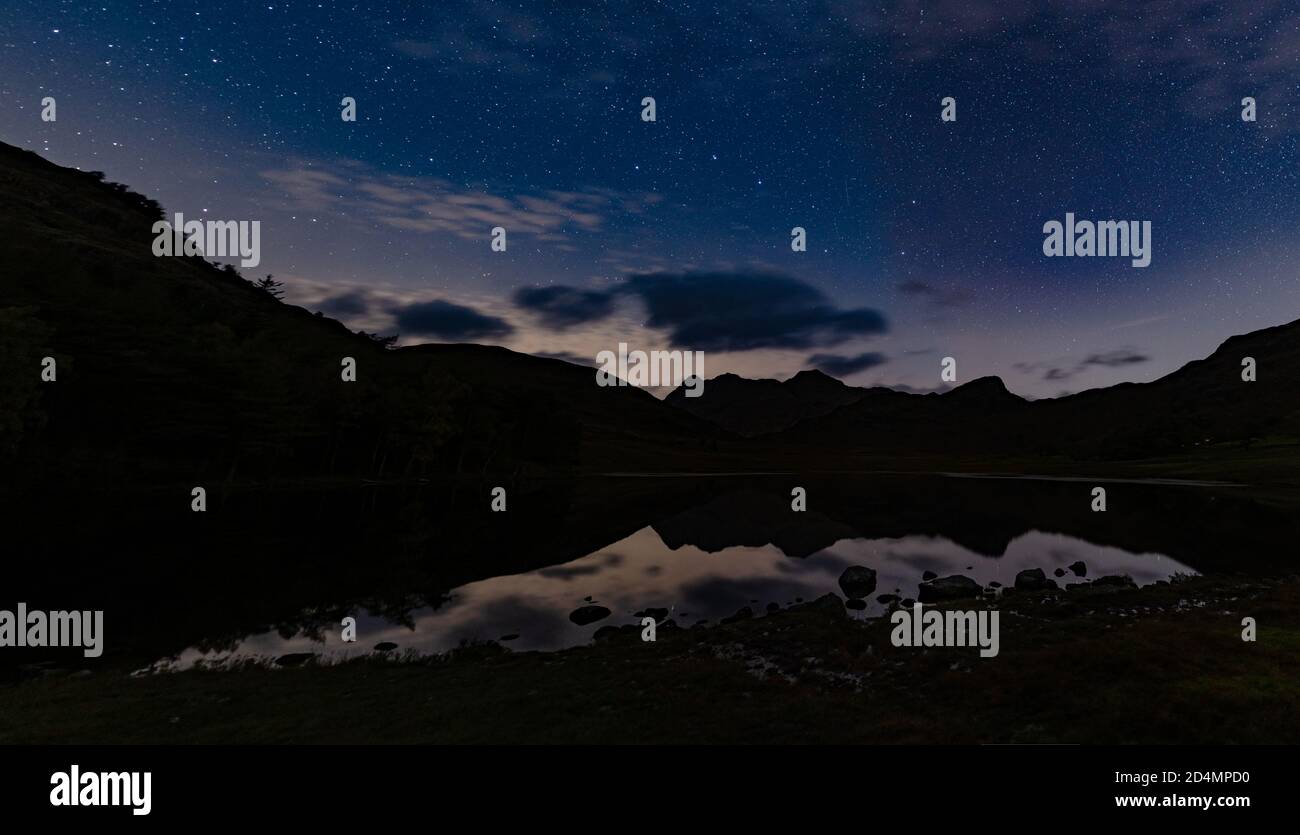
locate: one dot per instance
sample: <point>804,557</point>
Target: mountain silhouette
<point>756,407</point>
<point>172,368</point>
<point>1204,406</point>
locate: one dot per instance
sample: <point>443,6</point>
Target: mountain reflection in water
<point>703,564</point>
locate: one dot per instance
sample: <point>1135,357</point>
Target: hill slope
<point>170,367</point>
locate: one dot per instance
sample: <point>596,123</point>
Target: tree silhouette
<point>386,341</point>
<point>270,285</point>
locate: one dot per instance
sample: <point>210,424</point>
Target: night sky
<point>924,237</point>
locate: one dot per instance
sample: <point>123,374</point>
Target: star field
<point>770,115</point>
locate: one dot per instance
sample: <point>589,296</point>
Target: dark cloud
<point>562,307</point>
<point>354,303</point>
<point>1116,359</point>
<point>1057,372</point>
<point>937,296</point>
<point>842,366</point>
<point>446,320</point>
<point>717,311</point>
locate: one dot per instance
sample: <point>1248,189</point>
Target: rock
<point>828,604</point>
<point>928,576</point>
<point>1079,569</point>
<point>1117,580</point>
<point>385,646</point>
<point>773,607</point>
<point>855,604</point>
<point>294,659</point>
<point>858,581</point>
<point>1060,572</point>
<point>1033,579</point>
<point>887,599</point>
<point>907,603</point>
<point>511,637</point>
<point>652,612</point>
<point>949,588</point>
<point>585,615</point>
<point>744,613</point>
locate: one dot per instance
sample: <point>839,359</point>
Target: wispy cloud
<point>1061,369</point>
<point>434,205</point>
<point>936,295</point>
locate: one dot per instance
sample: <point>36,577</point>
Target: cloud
<point>434,205</point>
<point>715,311</point>
<point>446,320</point>
<point>1059,370</point>
<point>352,303</point>
<point>944,297</point>
<point>738,311</point>
<point>842,366</point>
<point>561,307</point>
<point>1212,54</point>
<point>1116,359</point>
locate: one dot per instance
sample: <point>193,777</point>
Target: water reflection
<point>530,611</point>
<point>266,568</point>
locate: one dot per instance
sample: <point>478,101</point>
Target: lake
<point>704,548</point>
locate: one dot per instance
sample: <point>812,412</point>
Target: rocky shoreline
<point>1100,663</point>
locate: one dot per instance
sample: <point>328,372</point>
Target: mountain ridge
<point>174,369</point>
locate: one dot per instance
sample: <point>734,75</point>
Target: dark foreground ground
<point>1164,664</point>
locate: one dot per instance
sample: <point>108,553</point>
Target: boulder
<point>1033,579</point>
<point>858,581</point>
<point>955,587</point>
<point>744,613</point>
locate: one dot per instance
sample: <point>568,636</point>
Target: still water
<point>530,611</point>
